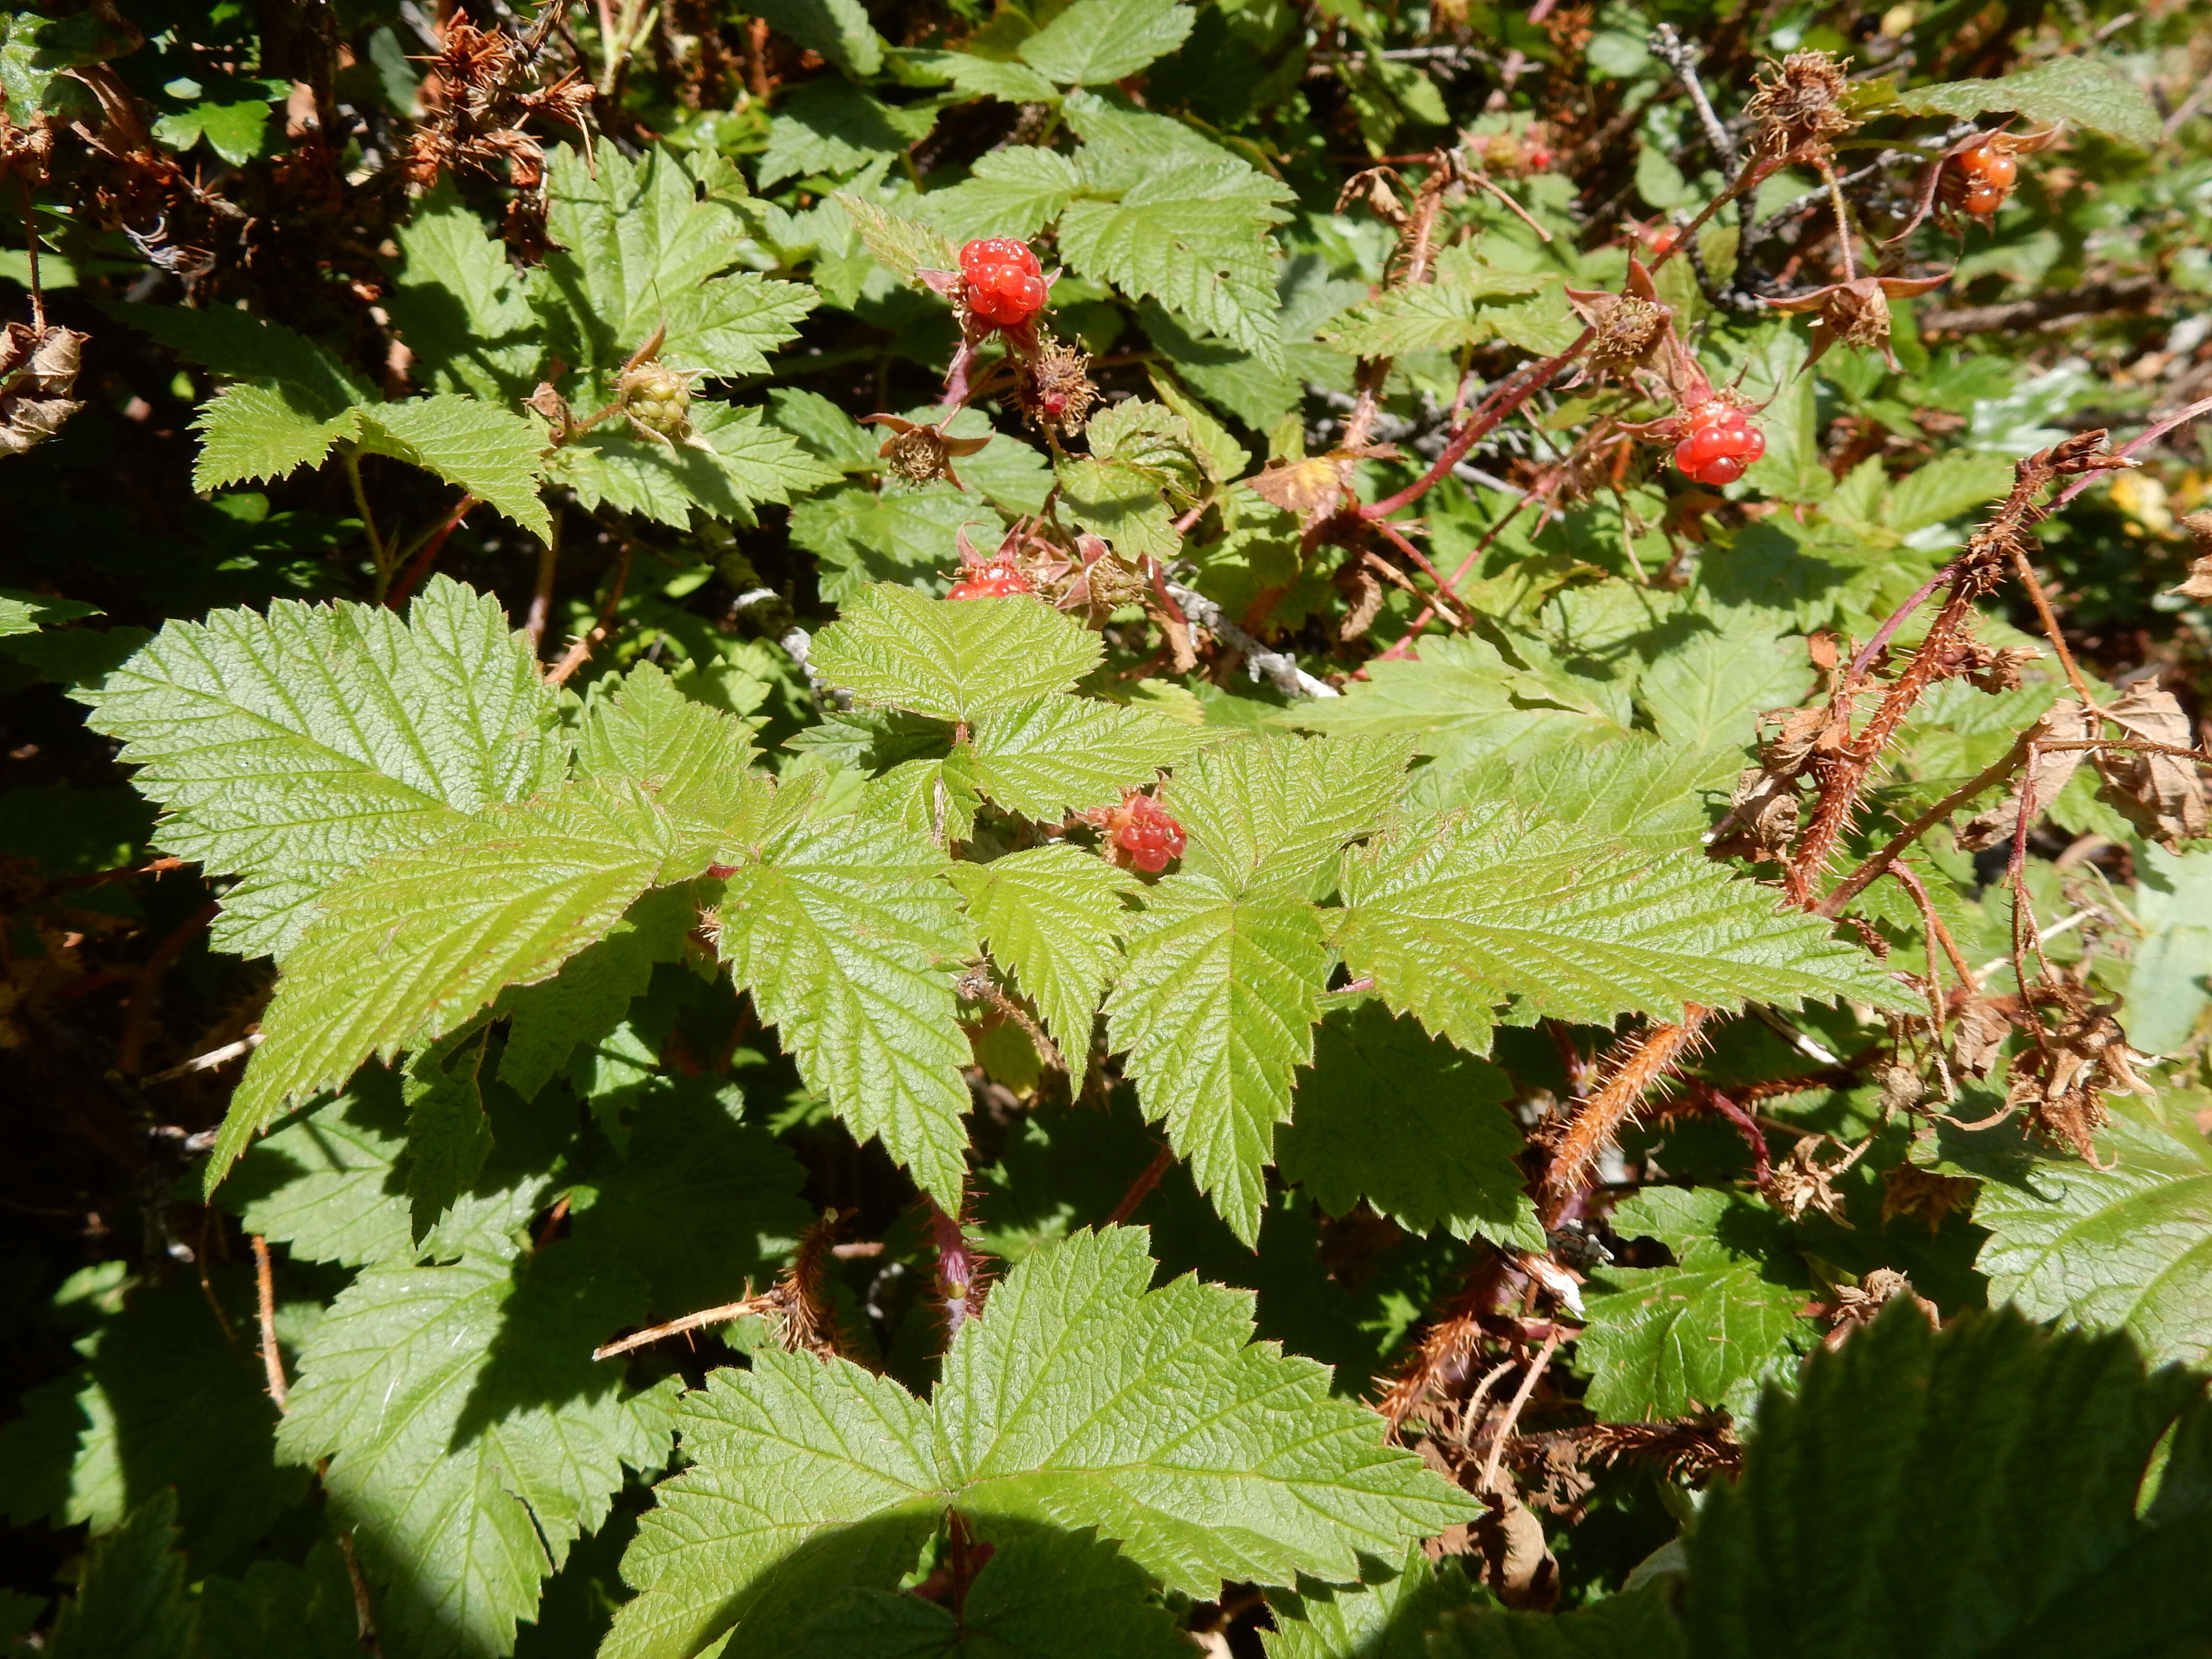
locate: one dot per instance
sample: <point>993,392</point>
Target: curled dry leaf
<point>1853,1305</point>
<point>2059,1083</point>
<point>38,371</point>
<point>1908,1189</point>
<point>2197,584</point>
<point>1980,1032</point>
<point>2069,721</point>
<point>2162,794</point>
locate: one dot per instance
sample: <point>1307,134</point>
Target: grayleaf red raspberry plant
<point>1288,823</point>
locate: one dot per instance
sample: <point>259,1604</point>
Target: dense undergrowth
<point>1105,828</point>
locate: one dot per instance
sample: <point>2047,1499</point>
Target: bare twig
<point>206,1062</point>
<point>1141,1187</point>
<point>272,1361</point>
<point>764,1304</point>
<point>1278,667</point>
<point>582,649</point>
<point>1484,1485</point>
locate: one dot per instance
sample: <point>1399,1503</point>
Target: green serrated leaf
<point>1215,1008</point>
<point>248,347</point>
<point>459,305</point>
<point>2088,91</point>
<point>737,463</point>
<point>1406,1121</point>
<point>1661,1342</point>
<point>1121,502</point>
<point>1439,316</point>
<point>952,660</point>
<point>414,944</point>
<point>1056,754</point>
<point>290,748</point>
<point>2127,1247</point>
<point>641,250</point>
<point>491,453</point>
<point>448,1136</point>
<point>1451,918</point>
<point>845,933</point>
<point>1079,1399</point>
<point>469,1437</point>
<point>1191,233</point>
<point>1051,916</point>
<point>863,536</point>
<point>588,998</point>
<point>1708,690</point>
<point>251,432</point>
<point>1095,42</point>
<point>695,760</point>
<point>131,1601</point>
<point>1275,809</point>
<point>831,126</point>
<point>1009,192</point>
<point>1387,1615</point>
<point>838,29</point>
<point>278,1611</point>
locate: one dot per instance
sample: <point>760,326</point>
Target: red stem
<point>1485,419</point>
<point>428,557</point>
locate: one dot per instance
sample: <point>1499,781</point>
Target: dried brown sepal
<point>1909,1190</point>
<point>1856,312</point>
<point>1802,1182</point>
<point>38,372</point>
<point>2163,795</point>
<point>1978,1035</point>
<point>1849,1306</point>
<point>1628,327</point>
<point>477,87</point>
<point>921,454</point>
<point>1796,107</point>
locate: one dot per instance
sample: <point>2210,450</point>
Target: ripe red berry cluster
<point>1004,283</point>
<point>1989,173</point>
<point>1144,834</point>
<point>994,580</point>
<point>1720,442</point>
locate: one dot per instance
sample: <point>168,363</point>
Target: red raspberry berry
<point>1142,833</point>
<point>998,251</point>
<point>994,580</point>
<point>1981,200</point>
<point>1718,445</point>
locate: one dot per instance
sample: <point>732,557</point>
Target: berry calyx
<point>995,580</point>
<point>1143,835</point>
<point>1718,444</point>
<point>1003,283</point>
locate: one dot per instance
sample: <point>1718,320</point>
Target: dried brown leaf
<point>2163,794</point>
<point>2069,721</point>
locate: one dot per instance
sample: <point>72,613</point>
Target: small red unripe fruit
<point>1144,834</point>
<point>994,581</point>
<point>1718,445</point>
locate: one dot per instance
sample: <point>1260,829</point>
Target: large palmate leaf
<point>1094,42</point>
<point>734,463</point>
<point>491,453</point>
<point>469,1437</point>
<point>2085,90</point>
<point>847,934</point>
<point>693,759</point>
<point>1452,917</point>
<point>1009,192</point>
<point>2128,1246</point>
<point>408,948</point>
<point>1079,1399</point>
<point>1052,916</point>
<point>952,660</point>
<point>1412,1125</point>
<point>639,249</point>
<point>1663,1342</point>
<point>459,305</point>
<point>1215,1007</point>
<point>288,749</point>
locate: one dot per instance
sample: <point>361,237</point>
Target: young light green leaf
<point>1192,233</point>
<point>1121,502</point>
<point>1276,809</point>
<point>1411,1124</point>
<point>1215,1008</point>
<point>292,747</point>
<point>1095,42</point>
<point>952,661</point>
<point>1055,753</point>
<point>900,245</point>
<point>977,77</point>
<point>1051,916</point>
<point>491,453</point>
<point>410,946</point>
<point>2128,1246</point>
<point>254,430</point>
<point>1663,1342</point>
<point>845,933</point>
<point>470,1438</point>
<point>2171,983</point>
<point>1079,1399</point>
<point>1451,918</point>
